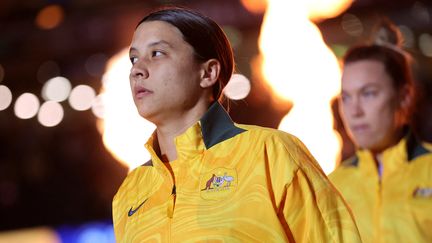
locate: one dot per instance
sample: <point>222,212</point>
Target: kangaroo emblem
<point>218,183</point>
<point>209,183</point>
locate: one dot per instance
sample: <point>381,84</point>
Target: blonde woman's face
<point>369,105</point>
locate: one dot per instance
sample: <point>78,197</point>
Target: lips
<point>360,128</point>
<point>141,92</point>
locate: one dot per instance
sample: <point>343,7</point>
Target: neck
<point>168,130</point>
<point>390,142</point>
<point>378,152</point>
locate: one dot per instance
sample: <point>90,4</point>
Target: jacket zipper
<point>170,211</point>
<point>380,198</point>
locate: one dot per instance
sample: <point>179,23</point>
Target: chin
<point>151,117</point>
<point>365,144</point>
<point>146,114</point>
<point>372,146</point>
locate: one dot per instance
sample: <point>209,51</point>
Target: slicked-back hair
<point>204,35</point>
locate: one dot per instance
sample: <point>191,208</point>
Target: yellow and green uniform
<point>231,183</point>
<point>393,207</point>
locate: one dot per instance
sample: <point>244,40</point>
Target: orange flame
<point>301,68</point>
<point>319,9</point>
<point>255,6</point>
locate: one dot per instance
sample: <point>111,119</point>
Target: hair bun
<point>386,33</point>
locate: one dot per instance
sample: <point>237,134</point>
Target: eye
<point>369,93</point>
<point>133,60</point>
<point>156,53</point>
<point>344,98</point>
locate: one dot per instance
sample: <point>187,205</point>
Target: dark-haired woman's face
<point>369,105</point>
<point>165,76</point>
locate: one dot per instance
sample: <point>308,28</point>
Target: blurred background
<point>69,132</point>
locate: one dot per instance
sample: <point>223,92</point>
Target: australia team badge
<point>218,184</point>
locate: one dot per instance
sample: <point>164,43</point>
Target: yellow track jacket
<point>397,208</point>
<point>231,183</point>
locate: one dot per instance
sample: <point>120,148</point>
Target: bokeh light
<point>5,97</point>
<point>91,232</point>
<point>98,106</point>
<point>91,235</point>
<point>255,6</point>
<point>420,12</point>
<point>425,44</point>
<point>100,232</point>
<point>352,25</point>
<point>238,87</point>
<point>81,97</point>
<point>49,17</point>
<point>408,36</point>
<point>32,235</point>
<point>50,114</point>
<point>56,89</point>
<point>26,106</point>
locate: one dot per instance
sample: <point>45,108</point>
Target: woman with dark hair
<point>210,179</point>
<point>388,182</point>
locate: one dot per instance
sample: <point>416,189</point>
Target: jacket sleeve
<point>309,207</point>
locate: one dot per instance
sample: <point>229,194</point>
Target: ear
<point>405,100</point>
<point>405,97</point>
<point>209,73</point>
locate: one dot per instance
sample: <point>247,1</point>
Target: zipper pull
<point>173,192</point>
<point>171,203</point>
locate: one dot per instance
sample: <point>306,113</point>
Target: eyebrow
<point>369,85</point>
<point>155,43</point>
<point>366,86</point>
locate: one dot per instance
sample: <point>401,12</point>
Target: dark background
<point>63,174</point>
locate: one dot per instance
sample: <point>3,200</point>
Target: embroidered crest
<point>218,183</point>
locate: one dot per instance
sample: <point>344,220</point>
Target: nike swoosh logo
<point>132,211</point>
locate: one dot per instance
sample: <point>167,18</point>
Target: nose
<point>351,108</point>
<point>139,70</point>
<point>356,108</point>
